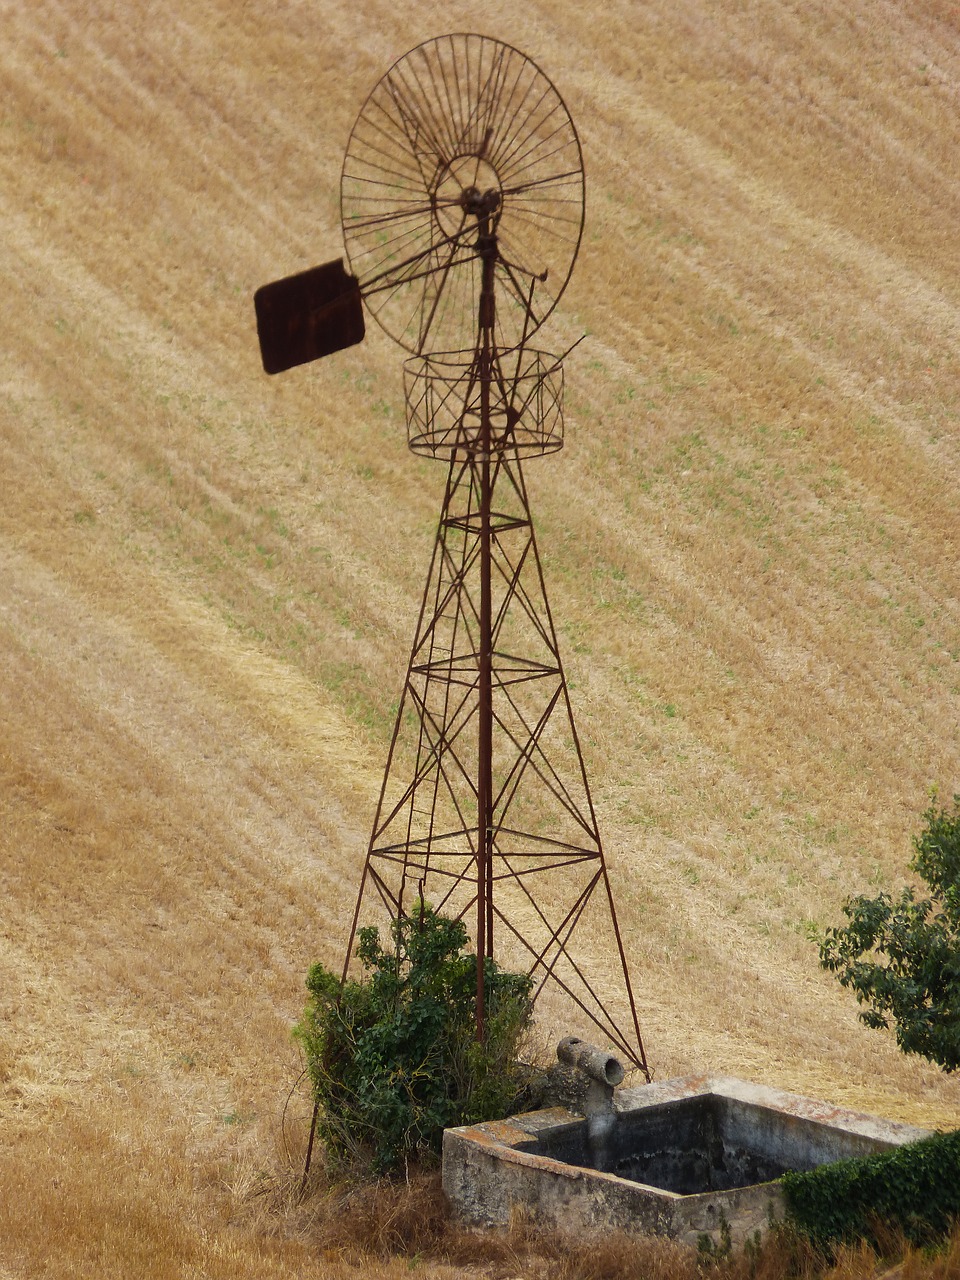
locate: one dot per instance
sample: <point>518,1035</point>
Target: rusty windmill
<point>462,206</point>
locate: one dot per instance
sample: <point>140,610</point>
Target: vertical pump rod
<point>487,244</point>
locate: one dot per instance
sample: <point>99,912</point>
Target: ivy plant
<point>915,1188</point>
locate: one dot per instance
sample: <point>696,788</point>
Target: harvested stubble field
<point>209,579</point>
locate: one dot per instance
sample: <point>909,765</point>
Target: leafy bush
<point>902,959</point>
<point>915,1189</point>
<point>394,1057</point>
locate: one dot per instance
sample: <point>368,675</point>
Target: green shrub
<point>394,1058</point>
<point>915,1189</point>
<point>902,958</point>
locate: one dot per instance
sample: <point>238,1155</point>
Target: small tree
<point>394,1058</point>
<point>902,958</point>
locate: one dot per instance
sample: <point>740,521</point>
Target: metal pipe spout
<point>598,1064</point>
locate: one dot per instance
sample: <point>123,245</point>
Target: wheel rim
<point>458,124</point>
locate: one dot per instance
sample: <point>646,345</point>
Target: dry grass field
<point>209,579</point>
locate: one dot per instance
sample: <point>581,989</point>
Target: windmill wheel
<point>463,136</point>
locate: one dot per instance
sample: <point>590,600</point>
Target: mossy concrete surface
<point>679,1158</point>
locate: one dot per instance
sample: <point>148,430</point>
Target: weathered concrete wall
<point>674,1159</point>
<point>691,1146</point>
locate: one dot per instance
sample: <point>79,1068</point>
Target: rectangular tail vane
<point>309,315</point>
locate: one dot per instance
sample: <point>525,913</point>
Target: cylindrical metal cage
<point>444,401</point>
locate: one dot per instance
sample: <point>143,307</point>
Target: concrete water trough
<point>678,1158</point>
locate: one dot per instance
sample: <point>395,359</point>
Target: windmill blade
<point>460,124</point>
